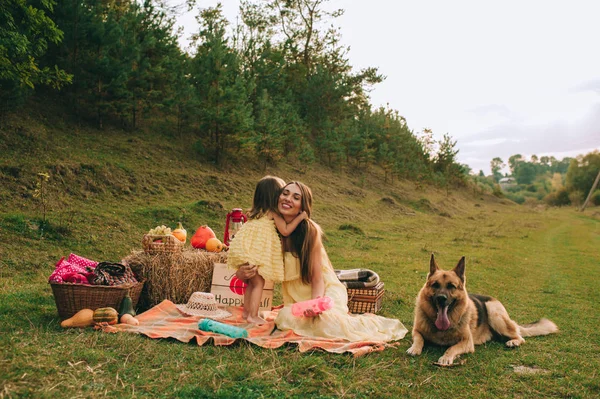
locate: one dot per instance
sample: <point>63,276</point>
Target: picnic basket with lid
<point>366,300</point>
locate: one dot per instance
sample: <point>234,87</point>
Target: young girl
<point>257,243</point>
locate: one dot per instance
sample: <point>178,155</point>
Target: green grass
<point>107,189</point>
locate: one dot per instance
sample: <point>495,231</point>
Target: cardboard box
<point>229,290</point>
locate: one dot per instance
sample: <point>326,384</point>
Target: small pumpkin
<point>106,315</point>
<point>214,245</point>
<point>83,318</point>
<point>129,319</point>
<point>201,236</point>
<point>180,233</point>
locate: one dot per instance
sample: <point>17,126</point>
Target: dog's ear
<point>433,267</point>
<point>460,269</point>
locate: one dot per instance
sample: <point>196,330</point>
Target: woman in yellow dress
<point>308,274</point>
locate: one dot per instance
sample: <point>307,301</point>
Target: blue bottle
<point>222,328</point>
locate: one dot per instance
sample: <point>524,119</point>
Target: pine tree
<point>266,139</point>
<point>224,113</point>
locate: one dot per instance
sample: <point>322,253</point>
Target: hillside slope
<point>106,188</point>
<point>117,185</point>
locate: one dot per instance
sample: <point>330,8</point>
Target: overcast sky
<point>501,77</point>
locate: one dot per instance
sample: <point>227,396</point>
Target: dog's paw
<point>513,343</point>
<point>414,351</point>
<point>445,360</point>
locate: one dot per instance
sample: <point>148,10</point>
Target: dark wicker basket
<point>71,298</point>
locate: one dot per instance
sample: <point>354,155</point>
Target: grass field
<point>106,190</point>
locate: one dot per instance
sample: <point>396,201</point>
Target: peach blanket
<point>166,321</point>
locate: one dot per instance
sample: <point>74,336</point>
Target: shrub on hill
<point>558,198</point>
<point>595,198</point>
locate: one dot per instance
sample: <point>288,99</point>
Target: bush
<point>497,191</point>
<point>518,198</point>
<point>199,148</point>
<point>531,201</point>
<point>595,198</point>
<point>482,188</point>
<point>351,228</point>
<point>540,196</point>
<point>576,197</point>
<point>558,198</point>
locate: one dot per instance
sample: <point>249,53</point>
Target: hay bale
<point>173,276</point>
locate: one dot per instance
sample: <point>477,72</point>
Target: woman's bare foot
<point>245,314</point>
<point>256,320</point>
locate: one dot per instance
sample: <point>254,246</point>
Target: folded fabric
<point>358,278</point>
<point>75,264</point>
<point>107,273</point>
<point>81,261</point>
<point>64,268</point>
<point>76,278</point>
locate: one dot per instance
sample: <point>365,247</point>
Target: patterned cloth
<point>81,261</point>
<point>67,272</point>
<point>358,278</point>
<point>166,321</point>
<point>107,273</point>
<point>258,243</point>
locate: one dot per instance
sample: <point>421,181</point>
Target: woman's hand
<point>310,312</point>
<point>246,272</point>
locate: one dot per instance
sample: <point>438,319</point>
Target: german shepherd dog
<point>445,314</point>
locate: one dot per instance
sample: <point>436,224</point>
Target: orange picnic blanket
<point>166,321</point>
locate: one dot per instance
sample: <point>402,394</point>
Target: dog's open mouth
<point>442,322</point>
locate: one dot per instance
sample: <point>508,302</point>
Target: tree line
<point>278,84</point>
<point>555,181</point>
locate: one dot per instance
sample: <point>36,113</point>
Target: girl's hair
<point>307,235</point>
<point>266,196</point>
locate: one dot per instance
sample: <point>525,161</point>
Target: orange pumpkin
<point>180,233</point>
<point>214,245</point>
<point>201,236</point>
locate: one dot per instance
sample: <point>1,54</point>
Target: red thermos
<point>235,219</point>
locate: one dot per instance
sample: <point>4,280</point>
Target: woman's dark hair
<point>266,196</point>
<point>304,239</point>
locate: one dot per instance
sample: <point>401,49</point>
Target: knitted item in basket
<point>107,273</point>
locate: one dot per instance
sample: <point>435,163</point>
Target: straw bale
<point>173,276</point>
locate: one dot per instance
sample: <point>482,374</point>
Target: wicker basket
<point>365,300</point>
<point>71,298</point>
<point>155,244</point>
